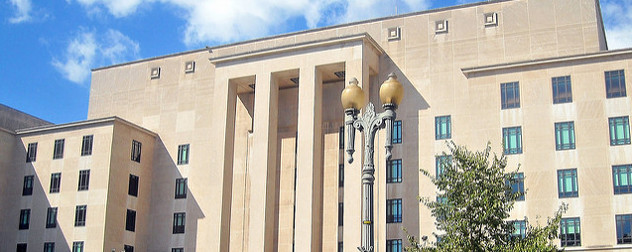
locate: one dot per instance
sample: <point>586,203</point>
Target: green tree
<point>473,203</point>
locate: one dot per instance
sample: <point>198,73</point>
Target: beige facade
<point>262,121</point>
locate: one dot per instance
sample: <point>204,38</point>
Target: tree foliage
<point>473,205</point>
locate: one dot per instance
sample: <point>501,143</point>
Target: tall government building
<point>238,147</point>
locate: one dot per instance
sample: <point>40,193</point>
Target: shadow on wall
<point>165,173</point>
<point>36,233</point>
<point>409,149</point>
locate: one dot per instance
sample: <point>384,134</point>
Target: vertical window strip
<point>183,154</point>
<point>80,215</point>
<point>27,189</point>
<point>394,172</point>
<point>133,185</point>
<point>178,223</point>
<point>84,180</point>
<point>25,218</point>
<point>443,127</point>
<point>341,138</point>
<point>31,152</point>
<point>394,211</point>
<point>136,151</point>
<point>341,175</point>
<point>58,150</point>
<point>55,181</point>
<point>340,214</point>
<point>181,188</point>
<point>51,217</point>
<point>130,220</point>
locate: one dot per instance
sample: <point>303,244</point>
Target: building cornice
<point>211,48</point>
<point>363,37</point>
<point>83,124</point>
<point>546,61</point>
<point>7,131</point>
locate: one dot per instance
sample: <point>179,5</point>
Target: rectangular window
<point>562,92</point>
<point>27,188</point>
<point>619,130</point>
<point>51,217</point>
<point>55,182</point>
<point>84,180</point>
<point>394,245</point>
<point>177,250</point>
<point>21,247</point>
<point>136,146</point>
<point>181,188</point>
<point>341,175</point>
<point>624,228</point>
<point>25,218</point>
<point>512,138</point>
<point>565,136</point>
<point>570,235</point>
<point>179,219</point>
<point>622,178</point>
<point>49,247</point>
<point>86,145</point>
<point>340,214</point>
<point>397,132</point>
<point>128,248</point>
<point>58,150</point>
<point>80,215</point>
<point>31,152</point>
<point>340,247</point>
<point>615,84</point>
<point>183,154</point>
<point>517,185</point>
<point>130,220</point>
<point>77,246</point>
<point>394,211</point>
<point>133,185</point>
<point>443,127</point>
<point>510,95</point>
<point>519,229</point>
<point>567,183</point>
<point>341,138</point>
<point>394,171</point>
<point>441,162</point>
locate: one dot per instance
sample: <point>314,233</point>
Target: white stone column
<point>309,183</point>
<point>262,174</point>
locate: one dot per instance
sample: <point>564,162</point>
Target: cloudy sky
<point>49,47</point>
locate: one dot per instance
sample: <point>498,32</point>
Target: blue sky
<point>49,47</point>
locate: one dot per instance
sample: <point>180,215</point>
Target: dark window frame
<point>84,180</point>
<point>25,219</point>
<point>562,176</point>
<point>132,188</point>
<point>562,89</point>
<point>128,248</point>
<point>565,129</point>
<point>86,145</point>
<point>77,246</point>
<point>177,249</point>
<point>397,132</point>
<point>49,247</point>
<point>619,172</point>
<point>55,182</point>
<point>341,138</point>
<point>179,223</point>
<point>517,185</point>
<point>624,222</point>
<point>613,127</point>
<point>80,215</point>
<point>136,151</point>
<point>510,95</point>
<point>341,175</point>
<point>130,220</point>
<point>21,247</point>
<point>27,187</point>
<point>394,245</point>
<point>341,208</point>
<point>442,132</point>
<point>51,217</point>
<point>521,227</point>
<point>511,132</point>
<point>58,149</point>
<point>440,162</point>
<point>183,154</point>
<point>394,171</point>
<point>615,83</point>
<point>394,210</point>
<point>567,239</point>
<point>181,188</point>
<point>31,152</point>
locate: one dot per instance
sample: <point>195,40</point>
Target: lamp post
<point>352,98</point>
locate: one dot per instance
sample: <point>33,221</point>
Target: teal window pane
<point>567,183</point>
<point>621,176</point>
<point>619,130</point>
<point>513,140</point>
<point>565,136</point>
<point>443,127</point>
<point>570,232</point>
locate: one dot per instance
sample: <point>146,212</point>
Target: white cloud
<point>23,11</point>
<point>618,23</point>
<point>227,21</point>
<point>88,50</point>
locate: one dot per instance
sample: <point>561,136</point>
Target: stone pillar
<point>262,175</point>
<point>309,183</point>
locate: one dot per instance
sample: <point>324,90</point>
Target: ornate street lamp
<point>352,98</point>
